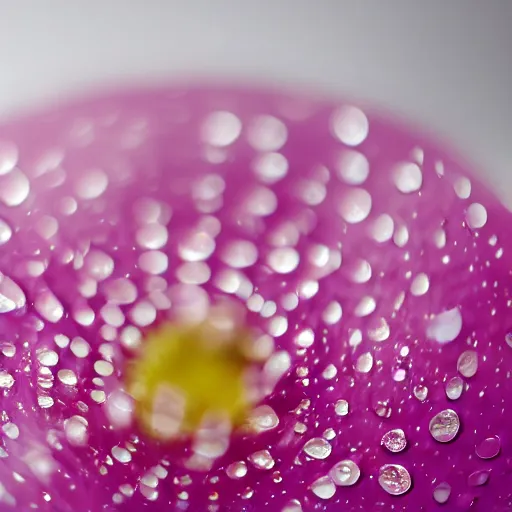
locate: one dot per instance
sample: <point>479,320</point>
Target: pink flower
<point>374,274</point>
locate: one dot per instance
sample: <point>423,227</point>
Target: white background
<point>444,63</point>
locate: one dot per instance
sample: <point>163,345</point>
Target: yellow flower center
<point>187,374</point>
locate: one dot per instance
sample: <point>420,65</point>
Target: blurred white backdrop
<point>446,65</point>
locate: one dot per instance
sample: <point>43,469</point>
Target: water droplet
<point>349,125</point>
<point>14,188</point>
<point>355,206</point>
<point>103,368</point>
<point>332,313</point>
<point>445,326</point>
<point>305,338</point>
<point>8,156</point>
<point>263,418</point>
<point>467,364</point>
<point>318,448</point>
<point>394,440</point>
<point>408,177</point>
<point>364,363</point>
<point>489,448</point>
<point>48,306</point>
<point>353,167</point>
<point>98,265</point>
<point>75,429</point>
<point>197,246</point>
<point>6,380</point>
<point>121,454</point>
<point>283,260</point>
<point>444,426</point>
<point>119,408</point>
<point>92,184</point>
<point>478,478</point>
<point>237,470</point>
<point>221,128</point>
<point>420,284</point>
<point>67,377</point>
<point>80,348</point>
<point>382,228</point>
<point>421,392</point>
<point>262,460</point>
<point>5,232</point>
<point>270,167</point>
<point>462,187</point>
<point>324,488</point>
<point>476,216</point>
<point>345,473</point>
<point>11,430</point>
<point>120,291</point>
<point>394,479</point>
<point>152,236</point>
<point>454,388</point>
<point>442,492</point>
<point>267,133</point>
<point>44,401</point>
<point>508,339</point>
<point>11,295</point>
<point>341,407</point>
<point>47,357</point>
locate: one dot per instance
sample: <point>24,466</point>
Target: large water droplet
<point>237,470</point>
<point>467,364</point>
<point>421,392</point>
<point>5,232</point>
<point>48,306</point>
<point>8,156</point>
<point>341,407</point>
<point>394,440</point>
<point>98,264</point>
<point>263,418</point>
<point>92,184</point>
<point>317,448</point>
<point>444,426</point>
<point>345,473</point>
<point>394,479</point>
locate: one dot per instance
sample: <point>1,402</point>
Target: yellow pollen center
<point>185,374</point>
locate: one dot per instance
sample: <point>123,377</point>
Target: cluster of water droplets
<point>360,257</point>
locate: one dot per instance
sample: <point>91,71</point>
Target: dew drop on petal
<point>394,479</point>
<point>121,454</point>
<point>236,470</point>
<point>445,326</point>
<point>48,306</point>
<point>489,448</point>
<point>355,206</point>
<point>283,260</point>
<point>14,188</point>
<point>5,232</point>
<point>263,418</point>
<point>67,377</point>
<point>221,128</point>
<point>420,284</point>
<point>394,440</point>
<point>323,488</point>
<point>408,177</point>
<point>98,265</point>
<point>353,167</point>
<point>341,407</point>
<point>476,216</point>
<point>421,392</point>
<point>444,426</point>
<point>454,388</point>
<point>92,184</point>
<point>467,364</point>
<point>318,448</point>
<point>345,473</point>
<point>383,228</point>
<point>442,492</point>
<point>76,432</point>
<point>262,460</point>
<point>8,156</point>
<point>478,478</point>
<point>11,430</point>
<point>267,133</point>
<point>349,125</point>
<point>6,380</point>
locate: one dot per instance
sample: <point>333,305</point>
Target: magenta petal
<point>381,271</point>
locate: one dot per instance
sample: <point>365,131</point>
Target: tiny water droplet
<point>421,392</point>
